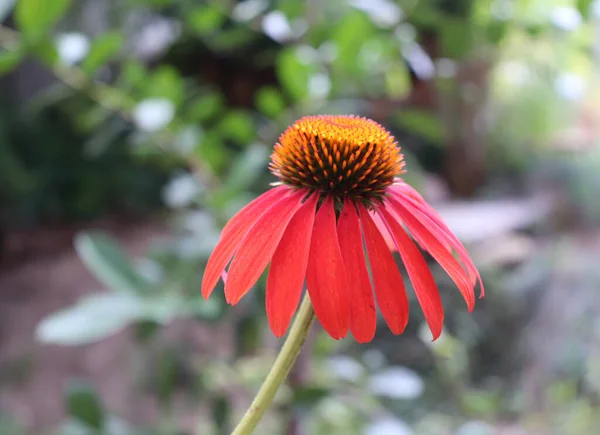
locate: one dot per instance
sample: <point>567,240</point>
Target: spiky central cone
<point>343,156</point>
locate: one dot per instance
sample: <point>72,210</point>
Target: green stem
<point>284,362</point>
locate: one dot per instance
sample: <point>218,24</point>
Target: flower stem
<point>284,362</point>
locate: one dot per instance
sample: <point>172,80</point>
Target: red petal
<point>326,275</point>
<point>233,233</point>
<point>411,198</point>
<point>363,318</point>
<point>257,246</point>
<point>419,273</point>
<point>388,283</point>
<point>288,268</point>
<point>389,240</point>
<point>432,239</point>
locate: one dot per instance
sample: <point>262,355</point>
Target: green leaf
<point>84,404</point>
<point>103,257</point>
<point>397,80</point>
<point>9,60</point>
<point>206,107</point>
<point>237,126</point>
<point>102,50</point>
<point>206,19</point>
<point>456,38</point>
<point>46,53</point>
<point>308,396</point>
<point>34,18</point>
<point>166,82</point>
<point>422,123</point>
<point>293,74</point>
<point>91,319</point>
<point>269,101</point>
<point>247,167</point>
<point>349,36</point>
<point>584,7</point>
<point>133,73</point>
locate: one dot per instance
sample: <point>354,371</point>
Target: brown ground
<point>41,274</point>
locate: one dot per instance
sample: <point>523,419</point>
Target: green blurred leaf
<point>206,19</point>
<point>422,123</point>
<point>237,126</point>
<point>45,52</point>
<point>293,74</point>
<point>9,60</point>
<point>102,50</point>
<point>308,396</point>
<point>105,259</point>
<point>91,319</point>
<point>165,82</point>
<point>397,80</point>
<point>34,18</point>
<point>84,404</point>
<point>456,38</point>
<point>349,36</point>
<point>133,73</point>
<point>206,107</point>
<point>10,426</point>
<point>221,411</point>
<point>247,167</point>
<point>269,101</point>
<point>584,7</point>
<point>496,31</point>
<point>212,150</point>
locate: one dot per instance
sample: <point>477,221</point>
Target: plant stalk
<point>281,368</point>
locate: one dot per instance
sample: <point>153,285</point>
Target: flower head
<point>340,197</point>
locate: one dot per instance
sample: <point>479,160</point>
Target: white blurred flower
<point>319,85</point>
<point>374,359</point>
<point>249,9</point>
<point>388,426</point>
<point>153,114</point>
<point>181,191</point>
<point>566,18</point>
<point>419,61</point>
<point>515,72</point>
<point>397,383</point>
<point>570,86</point>
<point>150,270</point>
<point>595,9</point>
<point>346,368</point>
<point>276,25</point>
<point>306,54</point>
<point>72,47</point>
<point>327,51</point>
<point>446,68</point>
<point>384,13</point>
<point>156,37</point>
<point>476,428</point>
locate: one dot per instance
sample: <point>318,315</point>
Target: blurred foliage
<point>175,104</point>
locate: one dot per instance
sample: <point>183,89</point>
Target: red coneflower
<point>338,188</point>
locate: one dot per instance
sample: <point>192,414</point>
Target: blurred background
<point>131,130</point>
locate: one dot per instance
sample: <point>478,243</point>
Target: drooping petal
<point>233,233</point>
<point>363,317</point>
<point>256,208</point>
<point>419,273</point>
<point>411,198</point>
<point>288,268</point>
<point>258,245</point>
<point>389,240</point>
<point>389,286</point>
<point>429,236</point>
<point>326,275</point>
